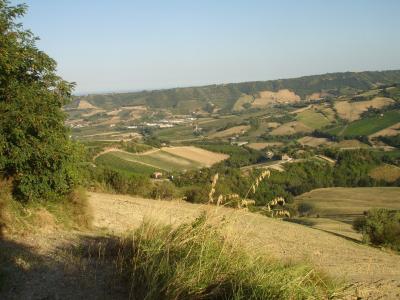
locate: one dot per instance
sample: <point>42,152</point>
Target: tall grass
<point>70,211</point>
<point>194,261</point>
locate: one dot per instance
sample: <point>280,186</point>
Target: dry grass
<point>261,146</point>
<point>236,130</point>
<point>313,141</point>
<point>238,106</point>
<point>83,104</point>
<point>204,157</point>
<point>291,128</point>
<point>259,235</point>
<point>351,144</point>
<point>352,110</point>
<point>388,173</point>
<point>344,204</point>
<point>196,261</point>
<point>282,96</point>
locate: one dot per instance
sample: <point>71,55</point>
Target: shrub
<point>163,190</point>
<point>305,208</point>
<point>194,261</point>
<point>35,148</point>
<point>381,227</point>
<point>359,223</point>
<point>196,194</point>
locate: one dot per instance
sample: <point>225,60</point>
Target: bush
<point>35,148</point>
<point>381,227</point>
<point>159,262</point>
<point>359,223</point>
<point>305,208</point>
<point>197,194</point>
<point>163,190</point>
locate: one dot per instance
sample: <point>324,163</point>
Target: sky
<point>128,45</point>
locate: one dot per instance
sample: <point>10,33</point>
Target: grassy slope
<point>313,119</point>
<point>256,234</point>
<point>146,163</point>
<point>345,203</point>
<point>368,126</point>
<point>115,162</point>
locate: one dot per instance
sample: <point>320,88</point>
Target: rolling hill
<point>225,96</point>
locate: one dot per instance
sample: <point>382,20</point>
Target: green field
<point>312,119</point>
<point>158,160</point>
<point>367,126</point>
<point>129,167</point>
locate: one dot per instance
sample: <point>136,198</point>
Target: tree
<point>35,148</point>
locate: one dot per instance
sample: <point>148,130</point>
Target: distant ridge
<point>224,96</point>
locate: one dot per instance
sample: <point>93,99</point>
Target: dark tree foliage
<point>35,149</point>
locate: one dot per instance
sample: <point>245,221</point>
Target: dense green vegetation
<point>116,163</point>
<point>380,227</point>
<point>225,96</point>
<point>35,149</point>
<point>369,125</point>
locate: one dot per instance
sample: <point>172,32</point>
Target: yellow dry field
<point>345,203</point>
<point>390,131</point>
<point>266,98</point>
<point>350,144</point>
<point>230,131</point>
<point>83,104</point>
<point>238,106</point>
<point>291,128</point>
<point>316,96</point>
<point>313,141</point>
<point>388,173</point>
<point>352,110</point>
<point>199,155</point>
<point>260,146</point>
<point>271,238</point>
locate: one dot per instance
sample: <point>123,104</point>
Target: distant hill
<point>224,96</point>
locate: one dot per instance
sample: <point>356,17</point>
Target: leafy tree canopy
<point>35,148</point>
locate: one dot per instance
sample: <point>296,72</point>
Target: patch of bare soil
<point>83,104</point>
<point>352,110</point>
<point>266,98</point>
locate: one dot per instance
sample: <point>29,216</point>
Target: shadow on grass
<point>64,274</point>
<point>305,222</point>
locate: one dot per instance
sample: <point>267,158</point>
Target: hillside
<point>224,96</point>
<point>369,269</point>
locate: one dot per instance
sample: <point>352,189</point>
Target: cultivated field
<point>389,131</point>
<point>313,141</point>
<point>313,119</point>
<point>202,156</point>
<point>371,125</point>
<point>352,110</point>
<point>261,146</point>
<point>343,204</point>
<point>167,159</point>
<point>291,128</point>
<point>236,130</point>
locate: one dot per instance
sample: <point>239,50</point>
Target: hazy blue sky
<point>118,45</point>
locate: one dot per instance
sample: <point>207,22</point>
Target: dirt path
<point>359,264</point>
